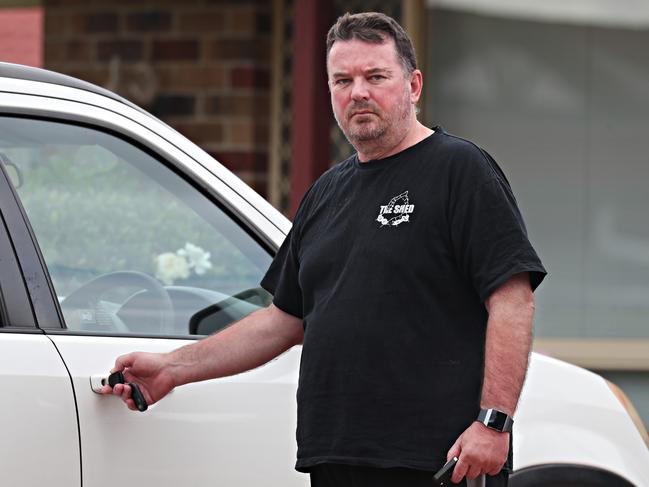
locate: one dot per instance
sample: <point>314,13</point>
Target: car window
<point>130,246</point>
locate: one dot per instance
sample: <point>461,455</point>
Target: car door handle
<point>97,382</point>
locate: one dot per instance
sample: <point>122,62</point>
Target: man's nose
<point>360,90</point>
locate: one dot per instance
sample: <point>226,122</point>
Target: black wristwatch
<point>496,420</point>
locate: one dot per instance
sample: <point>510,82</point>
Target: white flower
<point>170,266</point>
<point>198,259</point>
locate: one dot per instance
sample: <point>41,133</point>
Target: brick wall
<point>202,66</point>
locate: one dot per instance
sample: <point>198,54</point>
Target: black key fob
<point>116,378</point>
<point>443,475</point>
<point>136,393</point>
<point>138,397</point>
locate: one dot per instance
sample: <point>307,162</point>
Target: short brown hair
<point>374,27</point>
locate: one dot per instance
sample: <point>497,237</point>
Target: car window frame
<point>17,313</point>
<point>48,315</point>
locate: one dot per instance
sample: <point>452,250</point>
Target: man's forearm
<point>249,343</point>
<point>507,346</point>
<point>508,343</point>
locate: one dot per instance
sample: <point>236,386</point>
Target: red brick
<point>101,22</point>
<point>263,23</point>
<point>257,105</point>
<point>79,50</point>
<point>87,21</point>
<point>175,50</point>
<point>75,24</point>
<point>166,105</point>
<point>54,52</point>
<point>250,77</point>
<point>242,21</point>
<point>126,50</point>
<point>238,2</point>
<point>72,51</point>
<point>248,133</point>
<point>257,49</point>
<point>262,135</point>
<point>241,133</point>
<point>149,21</point>
<point>205,21</point>
<point>151,3</point>
<point>201,133</point>
<point>55,25</point>
<point>62,3</point>
<point>243,161</point>
<point>191,76</point>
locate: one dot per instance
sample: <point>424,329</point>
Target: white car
<point>118,234</point>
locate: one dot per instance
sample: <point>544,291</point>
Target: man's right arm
<point>249,343</point>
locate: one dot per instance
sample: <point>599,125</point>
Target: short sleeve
<point>490,240</point>
<point>281,279</point>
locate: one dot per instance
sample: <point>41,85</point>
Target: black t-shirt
<point>389,264</point>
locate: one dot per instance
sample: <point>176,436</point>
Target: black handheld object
<point>136,393</point>
<point>116,378</point>
<point>443,475</point>
<point>138,397</point>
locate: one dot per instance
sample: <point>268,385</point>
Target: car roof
<point>29,73</point>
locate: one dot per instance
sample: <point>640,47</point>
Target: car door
<point>136,256</point>
<point>40,440</point>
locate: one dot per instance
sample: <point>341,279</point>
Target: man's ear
<point>416,85</point>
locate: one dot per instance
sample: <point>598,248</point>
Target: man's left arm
<point>482,450</point>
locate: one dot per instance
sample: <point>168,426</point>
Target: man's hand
<point>149,371</point>
<point>480,450</point>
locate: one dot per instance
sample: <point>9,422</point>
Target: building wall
<point>201,66</point>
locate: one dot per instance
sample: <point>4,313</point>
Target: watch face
<point>497,420</point>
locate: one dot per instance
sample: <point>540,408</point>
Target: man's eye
<point>377,77</point>
<point>341,81</point>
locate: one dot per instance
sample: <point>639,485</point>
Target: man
<point>407,277</point>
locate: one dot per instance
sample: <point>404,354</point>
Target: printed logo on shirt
<point>396,212</point>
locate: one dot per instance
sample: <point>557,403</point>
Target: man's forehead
<point>358,54</point>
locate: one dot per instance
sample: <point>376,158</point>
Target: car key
<point>443,475</point>
<point>116,378</point>
<point>136,393</point>
<point>138,397</point>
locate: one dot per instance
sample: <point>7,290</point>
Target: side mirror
<point>219,315</point>
<point>13,171</point>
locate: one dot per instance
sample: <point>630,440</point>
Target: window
<point>131,247</point>
<point>563,108</point>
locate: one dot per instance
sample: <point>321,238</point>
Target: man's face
<point>370,94</point>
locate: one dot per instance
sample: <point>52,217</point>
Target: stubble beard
<point>365,131</point>
<point>380,129</point>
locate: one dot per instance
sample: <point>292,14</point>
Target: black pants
<point>334,475</point>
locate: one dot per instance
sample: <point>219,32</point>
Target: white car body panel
<point>238,430</point>
<point>37,415</point>
<point>567,414</point>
